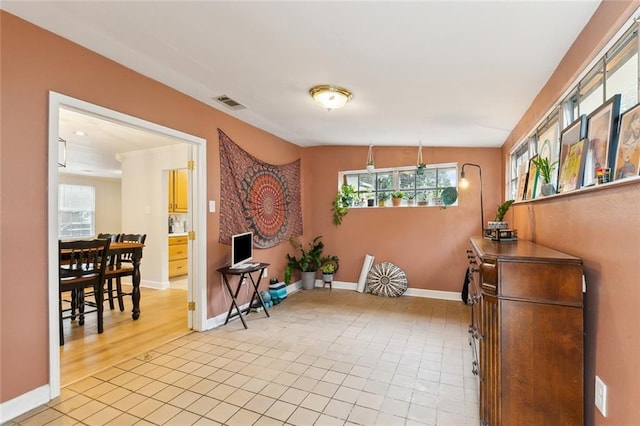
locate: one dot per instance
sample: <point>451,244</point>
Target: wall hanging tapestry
<point>257,196</point>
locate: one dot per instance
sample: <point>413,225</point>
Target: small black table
<point>243,272</point>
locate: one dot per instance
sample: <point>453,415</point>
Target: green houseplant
<point>382,198</point>
<point>329,266</point>
<point>307,260</point>
<point>396,197</point>
<point>502,209</point>
<point>545,169</point>
<point>345,198</point>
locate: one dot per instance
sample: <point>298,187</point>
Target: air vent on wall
<point>229,103</point>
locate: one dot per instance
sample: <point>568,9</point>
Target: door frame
<point>198,204</point>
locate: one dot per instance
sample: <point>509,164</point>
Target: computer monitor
<point>241,249</point>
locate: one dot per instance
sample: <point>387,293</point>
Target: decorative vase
<point>308,280</point>
<point>547,189</point>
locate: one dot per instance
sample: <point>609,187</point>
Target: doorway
<point>197,201</point>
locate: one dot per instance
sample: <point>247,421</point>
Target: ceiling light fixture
<point>330,97</point>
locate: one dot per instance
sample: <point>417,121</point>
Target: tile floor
<point>323,358</point>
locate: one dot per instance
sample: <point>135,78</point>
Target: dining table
<point>116,250</point>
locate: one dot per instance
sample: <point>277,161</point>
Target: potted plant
<point>345,198</point>
<point>382,198</point>
<point>420,168</point>
<point>370,166</point>
<point>307,262</point>
<point>545,169</point>
<point>371,198</point>
<point>499,223</point>
<point>410,198</point>
<point>437,199</point>
<point>422,198</point>
<point>329,266</point>
<point>396,197</point>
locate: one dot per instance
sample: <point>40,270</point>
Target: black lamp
<point>464,183</point>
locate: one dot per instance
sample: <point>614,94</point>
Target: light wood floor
<point>163,318</point>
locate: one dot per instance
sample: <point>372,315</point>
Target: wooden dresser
<point>526,333</point>
<point>178,256</point>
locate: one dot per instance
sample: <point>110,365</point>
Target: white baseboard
<point>23,403</point>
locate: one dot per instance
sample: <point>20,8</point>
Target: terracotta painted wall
<point>603,227</point>
<point>428,243</point>
<point>34,62</point>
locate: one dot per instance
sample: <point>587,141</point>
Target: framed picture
<point>602,133</point>
<point>573,134</point>
<point>572,171</point>
<point>549,146</point>
<point>532,179</point>
<point>627,153</point>
<point>522,183</point>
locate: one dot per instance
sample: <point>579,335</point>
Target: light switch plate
<point>212,206</point>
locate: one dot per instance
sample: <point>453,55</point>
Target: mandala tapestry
<point>257,196</point>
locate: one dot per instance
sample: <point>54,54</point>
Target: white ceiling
<point>447,73</point>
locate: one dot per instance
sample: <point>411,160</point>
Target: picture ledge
<point>615,184</point>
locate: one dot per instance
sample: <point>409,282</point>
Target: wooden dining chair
<point>81,266</point>
<point>124,265</point>
<point>110,291</point>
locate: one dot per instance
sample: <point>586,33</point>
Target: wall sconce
<point>330,97</point>
<point>464,183</point>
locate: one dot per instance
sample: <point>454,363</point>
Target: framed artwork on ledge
<point>532,179</point>
<point>572,141</point>
<point>627,154</point>
<point>573,168</point>
<point>522,183</point>
<point>602,133</point>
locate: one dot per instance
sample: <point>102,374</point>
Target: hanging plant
<point>343,202</point>
<point>370,163</point>
<point>420,168</point>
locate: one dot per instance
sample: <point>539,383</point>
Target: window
<point>519,164</point>
<point>617,71</point>
<point>421,187</point>
<point>76,211</point>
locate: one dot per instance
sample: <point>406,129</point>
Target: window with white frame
<point>424,185</point>
<point>76,211</point>
<point>617,71</point>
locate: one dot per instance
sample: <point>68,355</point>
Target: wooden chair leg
<point>60,318</point>
<point>119,291</point>
<point>110,291</point>
<point>80,305</point>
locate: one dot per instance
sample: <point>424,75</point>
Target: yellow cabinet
<point>178,199</point>
<point>178,256</point>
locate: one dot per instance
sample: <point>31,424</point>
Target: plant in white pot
<point>499,222</point>
<point>545,169</point>
<point>329,266</point>
<point>307,262</point>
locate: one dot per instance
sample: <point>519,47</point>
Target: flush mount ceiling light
<point>330,97</point>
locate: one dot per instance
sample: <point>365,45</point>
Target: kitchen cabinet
<point>527,333</point>
<point>178,191</point>
<point>178,256</point>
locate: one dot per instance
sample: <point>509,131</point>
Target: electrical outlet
<point>601,396</point>
<point>264,273</point>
